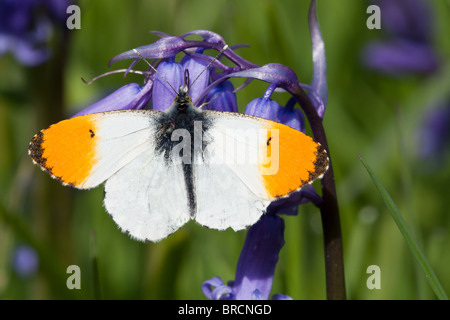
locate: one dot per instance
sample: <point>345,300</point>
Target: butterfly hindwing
<point>147,198</point>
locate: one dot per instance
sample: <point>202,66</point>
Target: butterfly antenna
<point>154,69</point>
<point>206,103</point>
<point>225,47</point>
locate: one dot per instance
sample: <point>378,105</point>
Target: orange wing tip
<point>321,164</point>
<point>291,162</point>
<point>36,151</point>
<point>319,168</point>
<point>67,150</point>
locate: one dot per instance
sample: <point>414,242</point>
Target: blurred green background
<point>368,113</point>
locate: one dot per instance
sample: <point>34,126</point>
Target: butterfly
<point>164,168</point>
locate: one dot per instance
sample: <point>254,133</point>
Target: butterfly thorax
<point>179,138</point>
<point>182,122</point>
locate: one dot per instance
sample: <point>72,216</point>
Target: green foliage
<point>408,236</point>
<point>367,113</point>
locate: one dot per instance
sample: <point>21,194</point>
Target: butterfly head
<point>183,99</point>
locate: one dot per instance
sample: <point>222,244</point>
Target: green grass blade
<point>407,235</point>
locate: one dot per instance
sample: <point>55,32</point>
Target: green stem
<point>329,210</point>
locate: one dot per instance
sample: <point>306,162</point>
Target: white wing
<point>147,198</point>
<point>230,190</point>
<point>123,136</point>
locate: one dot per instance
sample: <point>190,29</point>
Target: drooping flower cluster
<point>212,85</point>
<point>408,45</point>
<point>408,49</point>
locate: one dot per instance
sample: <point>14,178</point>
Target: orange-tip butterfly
<point>163,168</point>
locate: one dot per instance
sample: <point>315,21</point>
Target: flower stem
<point>329,210</point>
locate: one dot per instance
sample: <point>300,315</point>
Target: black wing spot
<point>92,133</point>
<point>268,141</point>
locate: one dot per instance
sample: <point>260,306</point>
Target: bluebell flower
<point>130,96</point>
<point>291,117</point>
<point>27,26</point>
<point>198,73</point>
<point>408,44</point>
<point>408,48</point>
<point>256,265</point>
<point>212,84</point>
<point>160,93</point>
<point>25,261</point>
<point>163,94</point>
<point>264,108</point>
<point>398,57</point>
<point>434,135</point>
<point>221,98</point>
<point>213,91</point>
